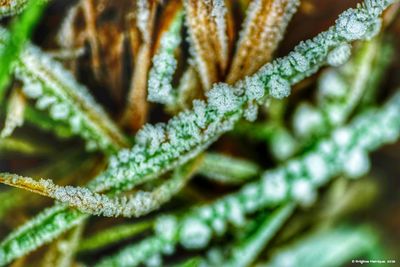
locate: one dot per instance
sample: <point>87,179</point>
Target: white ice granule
<point>317,168</point>
<point>298,61</point>
<point>357,164</point>
<point>278,87</point>
<point>350,26</point>
<point>274,186</point>
<point>32,88</point>
<point>331,85</point>
<point>235,213</point>
<point>194,234</point>
<point>166,226</point>
<point>45,101</point>
<point>59,111</point>
<point>339,55</point>
<point>222,98</point>
<point>283,145</point>
<point>342,136</point>
<point>303,192</point>
<point>306,119</point>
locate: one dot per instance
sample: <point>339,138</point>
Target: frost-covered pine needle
<point>140,203</point>
<point>340,90</point>
<point>160,88</point>
<point>296,180</point>
<point>56,90</point>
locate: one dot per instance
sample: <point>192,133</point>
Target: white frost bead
<point>339,55</point>
<point>194,234</point>
<point>357,164</point>
<point>278,87</point>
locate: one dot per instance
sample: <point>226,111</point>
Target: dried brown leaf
<point>104,27</point>
<point>208,30</point>
<point>135,114</point>
<point>262,31</point>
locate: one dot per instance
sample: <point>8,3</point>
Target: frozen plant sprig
<point>55,89</point>
<point>138,204</point>
<point>161,147</point>
<point>33,234</point>
<point>297,180</point>
<point>339,92</point>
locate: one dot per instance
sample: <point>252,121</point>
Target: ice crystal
<point>222,98</point>
<point>278,87</point>
<point>283,144</point>
<point>253,88</point>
